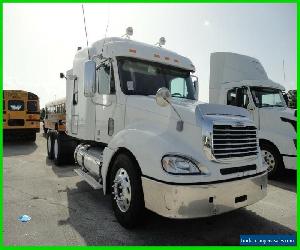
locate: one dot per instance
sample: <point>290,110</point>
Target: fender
<point>140,142</point>
<point>284,145</point>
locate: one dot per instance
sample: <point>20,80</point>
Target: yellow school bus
<point>55,116</point>
<point>21,114</point>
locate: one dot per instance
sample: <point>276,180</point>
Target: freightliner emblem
<point>239,124</point>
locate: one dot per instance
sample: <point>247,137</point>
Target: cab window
<point>238,97</point>
<point>178,87</point>
<point>231,97</point>
<point>75,92</point>
<point>32,106</point>
<point>103,80</point>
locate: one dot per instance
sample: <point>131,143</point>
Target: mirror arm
<point>174,109</point>
<point>179,125</point>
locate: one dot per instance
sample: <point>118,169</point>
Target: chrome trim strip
<point>204,183</point>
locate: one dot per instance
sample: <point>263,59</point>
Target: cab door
<point>105,101</point>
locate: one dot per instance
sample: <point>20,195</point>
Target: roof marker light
<point>132,50</point>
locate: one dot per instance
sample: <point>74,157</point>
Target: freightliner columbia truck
<point>241,81</point>
<point>137,131</point>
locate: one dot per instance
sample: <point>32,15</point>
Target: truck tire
<point>50,145</point>
<point>127,192</point>
<point>58,149</point>
<point>273,159</point>
<point>45,129</point>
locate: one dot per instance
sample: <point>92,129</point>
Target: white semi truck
<point>137,131</point>
<point>242,81</point>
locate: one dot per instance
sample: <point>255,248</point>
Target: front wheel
<point>273,160</point>
<point>127,192</point>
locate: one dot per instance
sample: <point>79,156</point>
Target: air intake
<point>234,142</point>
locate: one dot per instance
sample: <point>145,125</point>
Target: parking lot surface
<point>66,211</point>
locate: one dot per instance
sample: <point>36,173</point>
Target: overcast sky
<point>40,40</point>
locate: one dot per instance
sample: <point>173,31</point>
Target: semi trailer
<point>137,131</point>
<point>241,81</point>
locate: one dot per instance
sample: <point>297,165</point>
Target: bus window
<point>15,105</point>
<point>32,106</point>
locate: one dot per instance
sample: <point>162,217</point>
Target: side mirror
<point>286,98</point>
<point>163,97</point>
<point>89,78</point>
<point>62,75</point>
<point>196,87</point>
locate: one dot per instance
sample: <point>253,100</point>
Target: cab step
<point>89,179</point>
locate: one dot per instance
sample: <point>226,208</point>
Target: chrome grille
<point>232,142</point>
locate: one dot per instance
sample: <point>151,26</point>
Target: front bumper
<point>193,201</point>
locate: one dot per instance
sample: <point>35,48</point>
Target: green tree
<point>292,97</point>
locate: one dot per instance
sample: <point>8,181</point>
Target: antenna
<point>86,35</point>
<point>106,30</point>
<point>283,70</point>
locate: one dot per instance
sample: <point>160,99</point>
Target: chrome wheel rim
<point>49,144</point>
<point>122,190</point>
<point>269,159</point>
<point>55,148</point>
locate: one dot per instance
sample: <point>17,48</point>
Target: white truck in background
<point>138,132</point>
<point>242,81</point>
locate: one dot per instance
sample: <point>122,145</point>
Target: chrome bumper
<point>192,201</point>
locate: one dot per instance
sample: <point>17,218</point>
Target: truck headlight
<point>175,164</point>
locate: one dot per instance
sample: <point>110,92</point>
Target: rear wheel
<point>58,149</point>
<point>63,149</point>
<point>50,145</point>
<point>273,159</point>
<point>45,129</point>
<point>127,192</point>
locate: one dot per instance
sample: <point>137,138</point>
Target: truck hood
<point>189,110</point>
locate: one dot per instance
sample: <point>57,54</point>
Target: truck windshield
<point>267,97</point>
<point>145,78</point>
